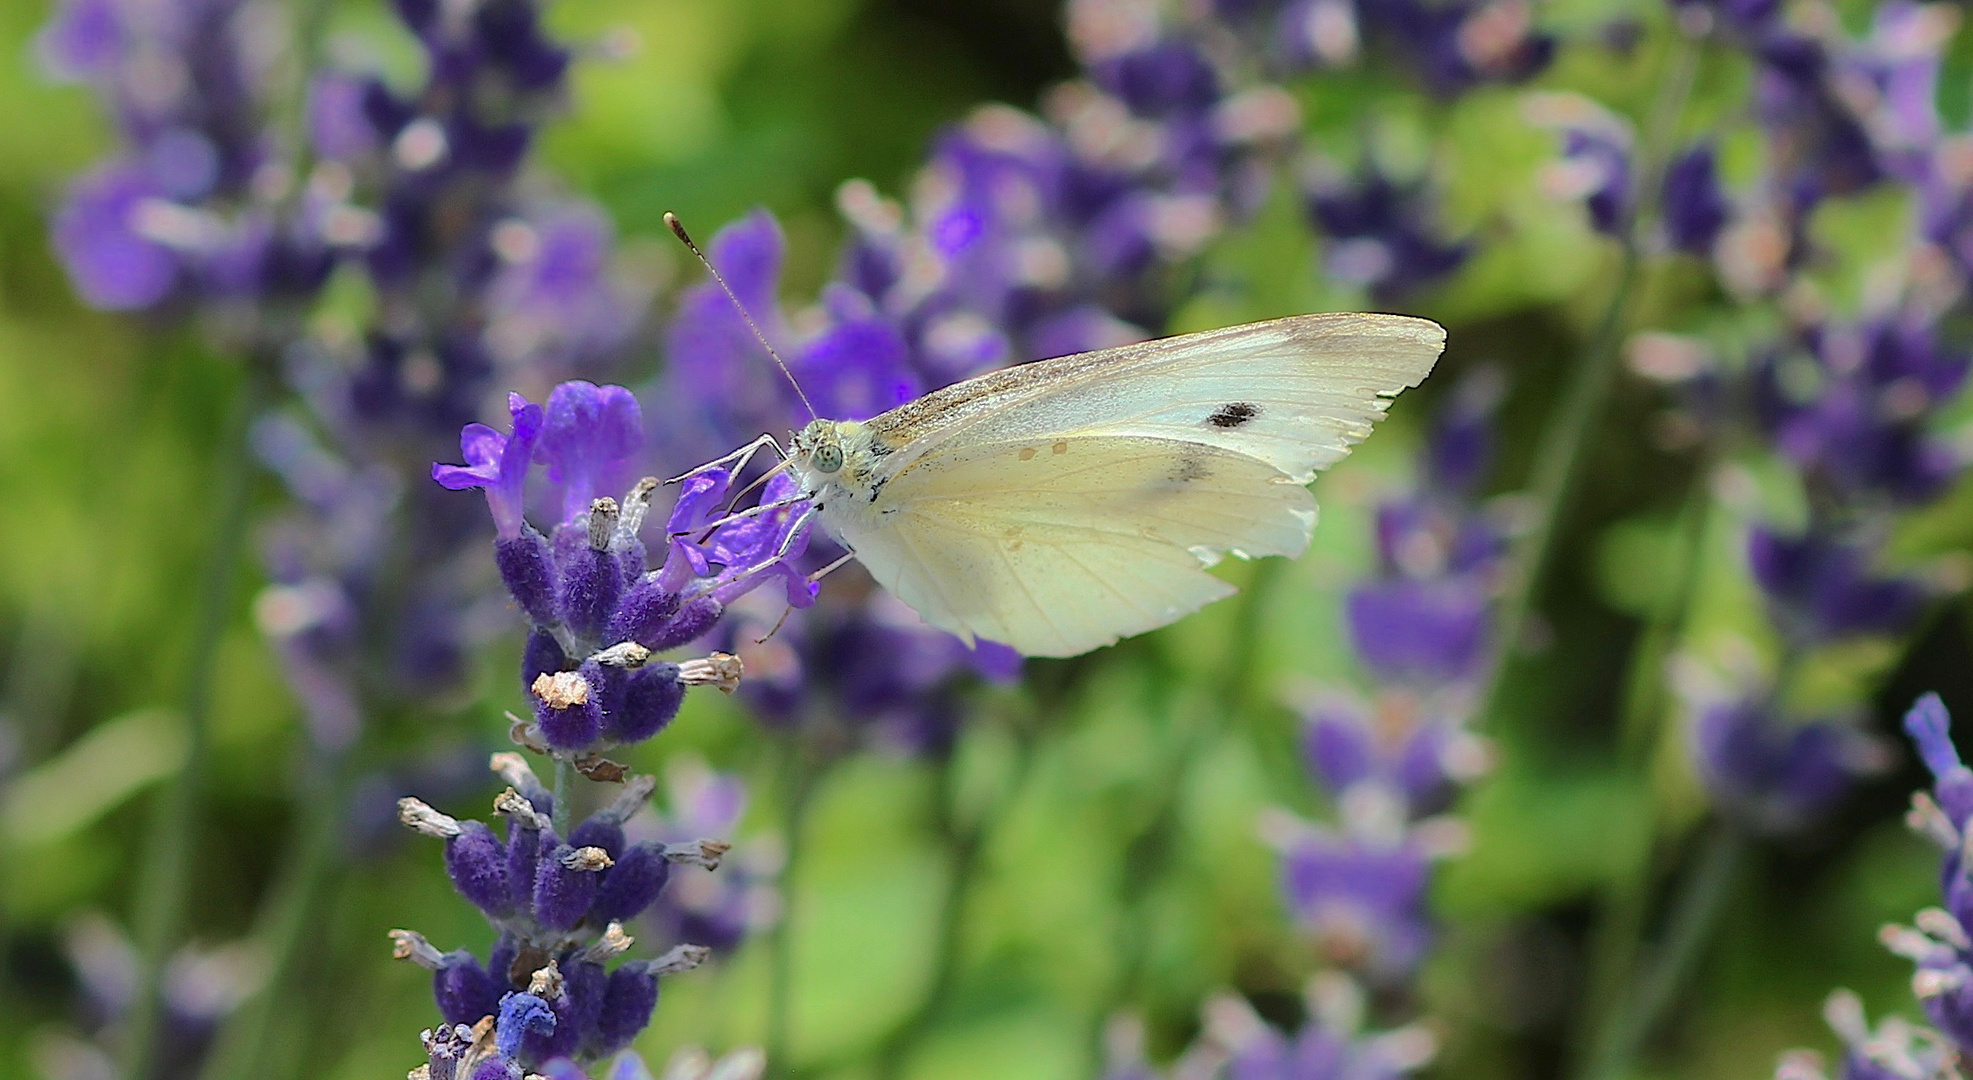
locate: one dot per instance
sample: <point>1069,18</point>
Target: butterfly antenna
<point>678,230</point>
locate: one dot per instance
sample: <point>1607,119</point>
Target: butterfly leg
<point>749,512</point>
<point>743,455</point>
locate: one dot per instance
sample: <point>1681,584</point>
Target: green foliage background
<point>107,433</point>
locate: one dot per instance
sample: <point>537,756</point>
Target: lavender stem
<point>965,843</point>
<point>1695,913</point>
<point>1559,457</point>
<point>165,878</point>
<point>1613,946</point>
<point>285,916</point>
<point>797,782</point>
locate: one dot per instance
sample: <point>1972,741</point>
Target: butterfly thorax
<point>837,461</point>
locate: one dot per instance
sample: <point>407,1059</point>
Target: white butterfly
<point>1061,505</point>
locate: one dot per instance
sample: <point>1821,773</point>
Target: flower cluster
<point>199,205</point>
<point>598,615</point>
<point>480,281</point>
<point>547,989</point>
<point>1236,1044</point>
<point>201,987</point>
<point>1391,765</point>
<point>1849,403</point>
<point>1939,945</point>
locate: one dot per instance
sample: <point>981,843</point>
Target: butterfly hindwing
<point>1060,545</point>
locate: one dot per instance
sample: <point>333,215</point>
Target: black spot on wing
<point>1233,414</point>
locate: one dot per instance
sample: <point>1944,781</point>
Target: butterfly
<point>1061,505</point>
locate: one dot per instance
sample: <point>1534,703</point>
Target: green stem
<point>1148,856</point>
<point>1696,912</point>
<point>1559,456</point>
<point>165,878</point>
<point>797,781</point>
<point>289,913</point>
<point>966,843</point>
<point>1624,903</point>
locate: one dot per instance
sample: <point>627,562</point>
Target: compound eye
<point>828,457</point>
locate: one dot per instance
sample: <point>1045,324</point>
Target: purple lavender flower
<point>1775,774</point>
<point>1939,944</point>
<point>547,989</point>
<point>1595,165</point>
<point>1851,408</point>
<point>1694,208</point>
<point>597,613</point>
<point>1379,236</point>
<point>1823,589</point>
<point>498,464</point>
<point>1894,1050</point>
<point>1360,901</point>
<point>1329,1046</point>
<point>194,207</point>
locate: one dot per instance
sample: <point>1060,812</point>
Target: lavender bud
<point>527,572</point>
<point>628,1002</point>
<point>631,559</point>
<point>526,837</point>
<point>565,883</point>
<point>598,832</point>
<point>643,611</point>
<point>592,581</point>
<point>632,885</point>
<point>477,863</point>
<point>569,714</point>
<point>588,984</point>
<point>542,656</point>
<point>464,990</point>
<point>650,697</point>
<point>692,620</point>
<point>500,960</point>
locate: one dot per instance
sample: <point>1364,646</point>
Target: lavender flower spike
<point>497,463</point>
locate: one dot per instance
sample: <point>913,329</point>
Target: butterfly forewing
<point>1295,392</point>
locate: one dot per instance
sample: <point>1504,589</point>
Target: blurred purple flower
<point>98,236</point>
<point>1822,589</point>
<point>1330,1044</point>
<point>1778,775</point>
<point>1694,207</point>
<point>1379,236</point>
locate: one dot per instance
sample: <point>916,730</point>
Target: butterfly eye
<point>828,457</point>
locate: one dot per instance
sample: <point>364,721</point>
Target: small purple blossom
<point>589,433</point>
<point>1823,589</point>
<point>498,464</point>
<point>1693,207</point>
<point>597,612</point>
<point>1330,1044</point>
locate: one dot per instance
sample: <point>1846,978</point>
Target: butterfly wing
<point>1296,393</point>
<point>1061,505</point>
<point>1061,548</point>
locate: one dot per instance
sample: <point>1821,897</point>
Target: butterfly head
<point>819,446</point>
